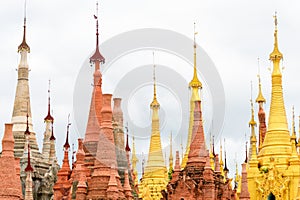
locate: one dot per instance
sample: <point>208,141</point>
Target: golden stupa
<point>274,172</point>
<point>155,177</point>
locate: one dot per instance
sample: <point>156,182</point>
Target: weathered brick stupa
<point>44,164</point>
<point>201,176</point>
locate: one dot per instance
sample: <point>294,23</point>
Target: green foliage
<point>74,189</point>
<point>170,172</point>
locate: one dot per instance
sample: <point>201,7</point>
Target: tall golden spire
<point>293,122</point>
<point>221,159</point>
<point>194,85</point>
<point>171,157</point>
<point>154,103</point>
<point>155,174</point>
<point>276,55</point>
<point>253,147</point>
<point>252,122</point>
<point>294,138</point>
<point>277,119</point>
<point>277,141</point>
<point>134,161</point>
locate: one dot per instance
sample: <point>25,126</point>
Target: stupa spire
<point>24,46</point>
<point>22,101</point>
<point>294,138</point>
<point>197,152</point>
<point>28,170</point>
<point>253,147</point>
<point>134,161</point>
<point>52,133</point>
<point>276,55</point>
<point>63,183</point>
<point>226,170</point>
<point>27,136</point>
<point>127,188</point>
<point>52,154</point>
<point>194,85</point>
<point>278,132</point>
<point>67,145</point>
<point>221,159</point>
<point>95,117</point>
<point>261,113</point>
<point>27,132</point>
<point>122,151</point>
<point>260,98</point>
<point>97,58</point>
<point>48,131</point>
<point>49,116</point>
<point>244,195</point>
<point>155,174</point>
<point>127,148</point>
<point>171,156</point>
<point>252,124</point>
<point>154,103</point>
<point>155,151</point>
<point>212,152</point>
<point>293,122</point>
<point>195,81</point>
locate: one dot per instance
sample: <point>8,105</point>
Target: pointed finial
<point>246,159</point>
<point>213,145</point>
<point>143,164</point>
<point>260,98</point>
<point>181,146</point>
<point>73,155</point>
<point>252,121</point>
<point>275,20</point>
<point>24,46</point>
<point>195,33</point>
<point>97,57</point>
<point>49,117</point>
<point>293,122</point>
<point>236,166</point>
<point>154,77</point>
<point>127,148</point>
<point>221,151</point>
<point>154,103</point>
<point>52,134</point>
<point>171,153</point>
<point>225,159</point>
<point>28,168</point>
<point>67,145</point>
<point>27,132</point>
<point>276,55</point>
<point>195,83</point>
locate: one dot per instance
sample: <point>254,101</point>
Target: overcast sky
<point>61,35</point>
